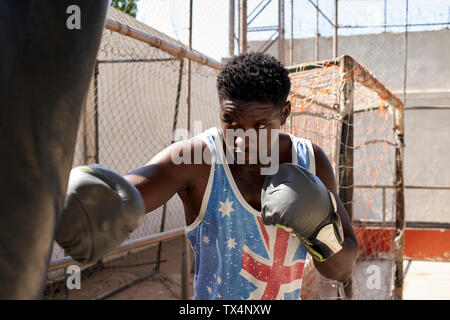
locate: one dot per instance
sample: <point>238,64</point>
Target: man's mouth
<point>239,150</point>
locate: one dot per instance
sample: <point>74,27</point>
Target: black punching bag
<point>47,55</point>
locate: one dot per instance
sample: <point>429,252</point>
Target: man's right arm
<point>102,207</point>
<point>161,178</point>
<point>100,211</point>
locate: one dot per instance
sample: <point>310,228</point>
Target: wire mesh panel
<point>315,115</point>
<point>315,107</point>
<point>137,88</point>
<point>373,195</point>
<point>352,122</point>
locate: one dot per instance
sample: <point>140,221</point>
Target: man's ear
<point>285,112</point>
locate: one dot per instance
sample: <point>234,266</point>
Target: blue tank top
<point>236,255</point>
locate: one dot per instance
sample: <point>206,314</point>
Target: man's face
<point>253,124</point>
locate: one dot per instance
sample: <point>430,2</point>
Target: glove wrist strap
<point>328,238</point>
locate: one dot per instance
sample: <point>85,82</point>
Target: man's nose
<point>240,143</point>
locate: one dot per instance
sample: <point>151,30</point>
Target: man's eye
<point>230,122</point>
<point>261,126</point>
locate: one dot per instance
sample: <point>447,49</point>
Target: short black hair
<point>254,76</point>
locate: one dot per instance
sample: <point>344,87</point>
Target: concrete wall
<point>428,76</point>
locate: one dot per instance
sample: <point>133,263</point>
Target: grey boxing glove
<point>100,211</point>
<point>295,199</point>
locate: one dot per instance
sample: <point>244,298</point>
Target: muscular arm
<point>339,266</point>
<point>161,178</point>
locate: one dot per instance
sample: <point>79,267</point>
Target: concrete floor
<point>426,280</point>
<point>372,279</point>
<point>423,280</point>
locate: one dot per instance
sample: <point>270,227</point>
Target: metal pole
<point>405,56</point>
<point>316,51</point>
<point>399,205</point>
<point>189,73</point>
<point>345,164</point>
<point>231,30</point>
<point>127,246</point>
<point>83,128</point>
<point>395,25</point>
<point>291,45</point>
<point>185,265</point>
<point>163,45</point>
<point>88,120</point>
<point>96,141</point>
<point>185,253</point>
<point>335,35</point>
<point>174,126</point>
<point>400,183</point>
<point>242,26</point>
<point>385,15</point>
<point>321,12</point>
<point>281,55</point>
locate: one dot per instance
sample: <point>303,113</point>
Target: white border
<point>230,178</point>
<point>312,159</point>
<point>208,188</point>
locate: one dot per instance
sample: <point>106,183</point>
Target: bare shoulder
<point>324,169</point>
<point>285,148</point>
<point>325,172</point>
<point>184,153</point>
<point>319,154</point>
<point>172,170</point>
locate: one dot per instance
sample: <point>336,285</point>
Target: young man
<point>240,252</point>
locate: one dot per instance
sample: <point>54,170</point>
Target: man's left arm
<point>339,266</point>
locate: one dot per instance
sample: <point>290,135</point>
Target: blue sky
<point>210,18</point>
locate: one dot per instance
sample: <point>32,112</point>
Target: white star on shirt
<point>205,239</point>
<point>219,280</point>
<point>231,243</point>
<point>209,289</point>
<point>226,207</point>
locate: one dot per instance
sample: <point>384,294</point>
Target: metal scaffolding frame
<point>279,36</point>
